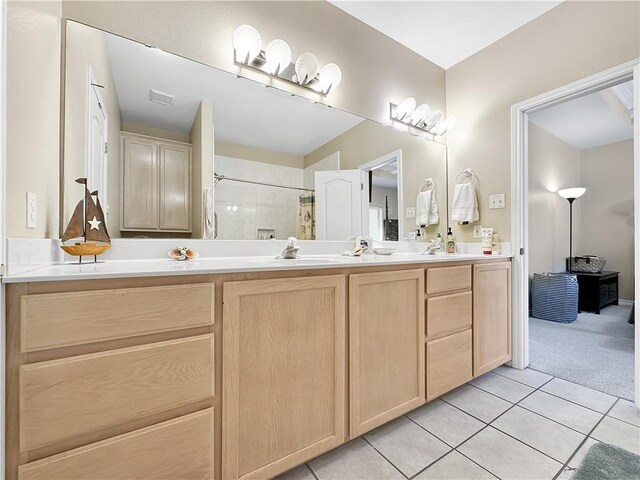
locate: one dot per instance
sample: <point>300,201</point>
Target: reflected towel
<point>427,209</point>
<point>464,208</point>
<point>208,227</point>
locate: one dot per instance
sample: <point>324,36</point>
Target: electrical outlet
<point>31,210</point>
<point>477,231</point>
<point>496,201</point>
<point>411,212</point>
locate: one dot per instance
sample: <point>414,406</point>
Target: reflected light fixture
<point>571,194</point>
<point>422,117</point>
<point>275,60</point>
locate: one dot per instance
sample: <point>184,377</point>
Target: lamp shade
<point>574,192</point>
<point>405,109</point>
<point>246,43</point>
<point>330,77</point>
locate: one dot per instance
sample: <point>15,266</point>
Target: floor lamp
<point>571,194</point>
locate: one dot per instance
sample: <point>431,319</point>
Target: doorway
<point>384,176</point>
<point>520,194</point>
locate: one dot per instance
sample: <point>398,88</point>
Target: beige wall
<point>607,209</point>
<point>141,129</point>
<point>245,152</point>
<point>375,68</point>
<point>553,165</point>
<point>201,137</point>
<point>368,141</point>
<point>570,42</point>
<point>33,116</point>
<point>86,46</point>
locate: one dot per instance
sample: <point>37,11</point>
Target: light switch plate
<point>477,231</point>
<point>496,201</point>
<point>31,210</point>
<point>411,212</point>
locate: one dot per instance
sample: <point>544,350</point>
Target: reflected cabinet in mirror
<point>181,149</point>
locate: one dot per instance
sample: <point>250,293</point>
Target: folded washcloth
<point>464,208</point>
<point>427,209</point>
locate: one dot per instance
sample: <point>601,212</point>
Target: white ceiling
<point>584,122</point>
<point>445,32</point>
<point>244,112</point>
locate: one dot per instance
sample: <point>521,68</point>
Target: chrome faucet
<point>432,248</point>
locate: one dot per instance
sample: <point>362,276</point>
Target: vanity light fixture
<point>422,117</point>
<point>275,60</point>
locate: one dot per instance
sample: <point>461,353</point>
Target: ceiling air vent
<point>160,97</point>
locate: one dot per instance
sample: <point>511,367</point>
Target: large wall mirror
<point>181,149</point>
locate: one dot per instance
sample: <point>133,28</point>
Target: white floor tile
<point>557,441</point>
<point>577,458</point>
<point>626,411</point>
<point>508,458</point>
<point>355,460</point>
<point>527,376</point>
<point>566,474</point>
<point>455,467</point>
<point>503,387</point>
<point>618,433</point>
<point>476,402</point>
<point>587,397</point>
<point>562,411</point>
<point>300,473</point>
<point>446,422</point>
<point>409,447</point>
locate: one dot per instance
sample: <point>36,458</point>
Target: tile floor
<point>507,424</point>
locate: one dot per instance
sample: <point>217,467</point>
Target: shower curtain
<point>306,223</point>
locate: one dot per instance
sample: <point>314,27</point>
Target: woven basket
<point>588,264</point>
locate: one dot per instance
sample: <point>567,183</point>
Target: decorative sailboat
<point>87,222</point>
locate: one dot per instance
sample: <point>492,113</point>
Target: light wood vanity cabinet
<point>284,364</point>
<point>156,184</point>
<point>386,347</point>
<point>491,316</point>
<point>132,378</point>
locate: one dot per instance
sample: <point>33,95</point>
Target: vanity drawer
<point>448,279</point>
<point>449,363</point>
<point>61,399</point>
<point>54,320</point>
<point>449,313</point>
<point>179,448</point>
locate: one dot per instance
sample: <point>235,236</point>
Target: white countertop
<point>213,265</point>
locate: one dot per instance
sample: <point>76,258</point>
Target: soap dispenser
<point>451,242</point>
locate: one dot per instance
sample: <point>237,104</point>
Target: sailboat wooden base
<point>86,249</point>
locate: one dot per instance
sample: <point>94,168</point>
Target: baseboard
<point>626,303</point>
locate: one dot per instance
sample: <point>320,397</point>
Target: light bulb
<point>246,43</point>
<point>330,77</point>
<point>447,125</point>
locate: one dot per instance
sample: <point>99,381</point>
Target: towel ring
<point>467,172</point>
<point>424,186</point>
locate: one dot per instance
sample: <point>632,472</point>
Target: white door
<point>97,145</point>
<point>342,199</point>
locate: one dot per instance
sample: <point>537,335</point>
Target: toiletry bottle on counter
<point>451,242</point>
<point>440,242</point>
<point>495,244</point>
<point>487,239</point>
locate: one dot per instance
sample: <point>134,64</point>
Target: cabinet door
<point>140,184</point>
<point>491,316</point>
<point>386,347</point>
<point>283,373</point>
<point>175,187</point>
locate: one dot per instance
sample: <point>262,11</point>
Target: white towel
<point>465,204</point>
<point>208,227</point>
<point>427,209</point>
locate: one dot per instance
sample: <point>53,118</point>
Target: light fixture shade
<point>306,68</point>
<point>277,55</point>
<point>574,192</point>
<point>420,114</point>
<point>447,125</point>
<point>330,77</point>
<point>405,109</point>
<point>246,43</point>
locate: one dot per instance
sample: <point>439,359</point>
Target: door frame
<point>397,154</point>
<point>93,90</point>
<point>3,230</point>
<point>520,197</point>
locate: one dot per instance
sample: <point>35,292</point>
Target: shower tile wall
<point>244,208</point>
